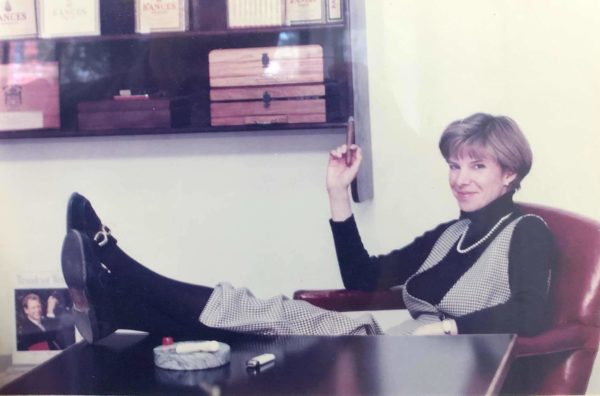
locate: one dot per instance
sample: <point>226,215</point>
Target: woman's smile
<point>477,180</point>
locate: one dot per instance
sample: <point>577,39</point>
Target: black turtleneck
<point>531,256</point>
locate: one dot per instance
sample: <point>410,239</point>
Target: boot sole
<point>75,257</point>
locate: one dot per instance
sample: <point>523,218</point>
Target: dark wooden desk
<point>123,364</point>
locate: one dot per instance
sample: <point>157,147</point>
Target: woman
<point>487,272</point>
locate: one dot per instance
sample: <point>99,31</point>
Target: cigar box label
<point>334,10</point>
<point>17,19</point>
<point>304,11</point>
<point>19,120</point>
<point>60,18</point>
<point>13,96</point>
<point>161,16</point>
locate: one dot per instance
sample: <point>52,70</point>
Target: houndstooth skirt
<point>238,310</point>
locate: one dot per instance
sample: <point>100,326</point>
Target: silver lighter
<point>260,360</point>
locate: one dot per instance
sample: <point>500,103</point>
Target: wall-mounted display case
<point>126,83</point>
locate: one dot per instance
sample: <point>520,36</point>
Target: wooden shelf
<point>275,129</point>
<point>186,34</point>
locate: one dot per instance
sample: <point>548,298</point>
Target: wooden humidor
<point>133,114</point>
<point>267,85</point>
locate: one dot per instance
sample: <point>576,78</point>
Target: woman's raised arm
<point>339,177</point>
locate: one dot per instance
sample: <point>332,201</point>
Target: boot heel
<point>82,271</point>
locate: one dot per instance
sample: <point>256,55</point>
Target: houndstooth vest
<point>484,285</point>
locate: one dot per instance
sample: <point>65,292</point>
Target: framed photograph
<point>304,11</point>
<point>161,16</point>
<point>17,19</point>
<point>43,317</point>
<point>65,18</point>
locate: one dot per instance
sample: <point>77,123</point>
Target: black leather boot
<point>87,281</point>
<point>82,217</point>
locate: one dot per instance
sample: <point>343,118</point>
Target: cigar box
<point>133,114</point>
<point>267,85</point>
<point>30,96</point>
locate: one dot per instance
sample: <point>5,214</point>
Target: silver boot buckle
<point>101,236</point>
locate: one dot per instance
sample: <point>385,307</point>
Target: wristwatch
<point>447,326</point>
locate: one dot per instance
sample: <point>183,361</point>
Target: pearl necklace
<point>482,240</point>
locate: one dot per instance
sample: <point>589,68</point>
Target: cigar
<point>200,346</point>
<point>349,139</point>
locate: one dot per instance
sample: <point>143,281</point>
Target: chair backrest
<point>575,288</point>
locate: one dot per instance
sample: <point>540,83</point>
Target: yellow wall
<point>431,62</point>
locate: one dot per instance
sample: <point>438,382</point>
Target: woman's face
<point>476,179</point>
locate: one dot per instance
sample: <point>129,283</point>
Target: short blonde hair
<point>500,136</point>
<point>30,297</point>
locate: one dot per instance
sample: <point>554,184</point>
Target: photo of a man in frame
<point>43,319</point>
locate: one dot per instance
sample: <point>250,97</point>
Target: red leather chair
<point>558,361</point>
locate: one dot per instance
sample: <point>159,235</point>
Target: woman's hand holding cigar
<point>344,162</point>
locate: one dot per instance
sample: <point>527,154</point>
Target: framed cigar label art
<point>17,19</point>
<point>254,13</point>
<point>304,11</point>
<point>334,11</point>
<point>161,16</point>
<point>65,18</point>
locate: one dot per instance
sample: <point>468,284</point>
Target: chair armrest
<point>352,300</point>
<point>559,339</point>
<point>554,340</point>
